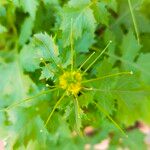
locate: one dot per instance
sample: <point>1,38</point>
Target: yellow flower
<point>74,88</point>
<point>71,82</point>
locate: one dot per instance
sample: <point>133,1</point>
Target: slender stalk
<point>27,99</point>
<point>86,61</point>
<point>97,57</point>
<point>47,48</point>
<point>46,65</point>
<point>108,76</point>
<point>116,90</point>
<point>134,21</point>
<point>110,118</point>
<point>125,14</point>
<point>77,115</point>
<point>51,86</point>
<point>71,42</point>
<point>56,105</point>
<point>124,61</point>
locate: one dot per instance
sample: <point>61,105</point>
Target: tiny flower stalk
<point>97,57</point>
<point>28,99</point>
<point>56,105</point>
<point>71,43</point>
<point>77,115</point>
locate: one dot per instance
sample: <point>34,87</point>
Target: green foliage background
<point>31,29</point>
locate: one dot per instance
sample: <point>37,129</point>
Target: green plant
<point>54,86</point>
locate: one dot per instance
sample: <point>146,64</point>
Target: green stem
<point>72,50</point>
<point>134,21</point>
<point>110,118</point>
<point>27,100</point>
<point>56,105</point>
<point>107,76</point>
<point>77,115</point>
<point>86,61</point>
<point>46,65</point>
<point>97,57</point>
<point>117,90</point>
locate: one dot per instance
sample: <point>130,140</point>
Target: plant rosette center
<point>71,82</point>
